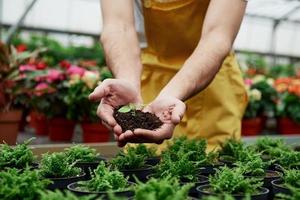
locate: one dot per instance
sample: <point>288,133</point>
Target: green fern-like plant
<point>143,150</point>
<point>230,148</point>
<point>224,197</point>
<point>81,153</point>
<point>233,181</point>
<point>104,179</point>
<point>128,160</point>
<point>16,157</point>
<point>16,184</point>
<point>288,159</point>
<point>295,194</point>
<point>59,195</point>
<point>253,166</point>
<point>266,145</point>
<point>291,177</point>
<point>162,189</point>
<point>56,165</point>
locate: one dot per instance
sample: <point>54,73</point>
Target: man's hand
<point>113,93</point>
<point>170,111</point>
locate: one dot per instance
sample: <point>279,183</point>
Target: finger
<point>106,125</point>
<point>105,112</point>
<point>117,129</point>
<point>157,136</point>
<point>116,137</point>
<point>121,144</point>
<point>178,112</point>
<point>147,135</point>
<point>99,92</point>
<point>126,136</point>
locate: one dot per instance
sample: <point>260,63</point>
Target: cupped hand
<point>113,93</point>
<point>170,111</point>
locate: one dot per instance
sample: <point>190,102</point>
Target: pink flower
<point>23,68</point>
<point>248,82</point>
<point>76,70</point>
<point>54,75</point>
<point>43,88</point>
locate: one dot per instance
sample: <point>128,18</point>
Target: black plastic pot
<point>141,173</point>
<point>62,183</point>
<point>152,161</point>
<point>204,190</point>
<point>88,167</point>
<point>228,161</point>
<point>75,188</point>
<point>210,169</point>
<point>202,180</point>
<point>278,187</point>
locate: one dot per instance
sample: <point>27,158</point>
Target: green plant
<point>233,181</point>
<point>291,177</point>
<point>266,145</point>
<point>231,147</point>
<point>288,159</point>
<point>103,179</point>
<point>224,197</point>
<point>16,157</point>
<point>289,105</point>
<point>143,150</point>
<point>162,189</point>
<point>81,153</point>
<point>254,166</point>
<point>128,160</point>
<point>26,185</point>
<point>56,165</point>
<point>182,168</point>
<point>59,195</point>
<point>294,196</point>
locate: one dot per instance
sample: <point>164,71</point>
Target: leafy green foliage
<point>56,165</point>
<point>25,185</point>
<point>254,166</point>
<point>233,181</point>
<point>195,148</point>
<point>163,189</point>
<point>59,195</point>
<point>289,106</point>
<point>294,196</point>
<point>16,157</point>
<point>266,145</point>
<point>81,153</point>
<point>128,160</point>
<point>224,197</point>
<point>231,147</point>
<point>104,179</point>
<point>143,150</point>
<point>182,168</point>
<point>291,177</point>
<point>289,159</point>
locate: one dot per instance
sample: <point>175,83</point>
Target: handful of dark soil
<point>135,119</point>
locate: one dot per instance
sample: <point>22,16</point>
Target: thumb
<point>178,112</point>
<point>98,93</point>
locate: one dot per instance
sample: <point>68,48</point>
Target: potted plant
<point>103,181</point>
<point>289,178</point>
<point>288,160</point>
<point>182,168</point>
<point>232,181</point>
<point>229,150</point>
<point>161,189</point>
<point>56,167</point>
<point>16,184</point>
<point>295,194</point>
<point>132,164</point>
<point>38,121</point>
<point>10,112</point>
<point>149,153</point>
<point>18,156</point>
<point>288,105</point>
<point>85,157</point>
<point>59,195</point>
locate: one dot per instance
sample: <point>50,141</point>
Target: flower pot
<point>94,132</point>
<point>205,190</point>
<point>152,161</point>
<point>76,188</point>
<point>140,173</point>
<point>61,129</point>
<point>38,122</point>
<point>9,126</point>
<point>63,182</point>
<point>227,160</point>
<point>89,167</point>
<point>287,126</point>
<point>252,126</point>
<point>278,187</point>
<point>210,169</point>
<point>201,180</point>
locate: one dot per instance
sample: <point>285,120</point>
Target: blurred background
<point>59,41</point>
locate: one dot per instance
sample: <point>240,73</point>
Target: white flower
<point>255,94</point>
<point>90,78</point>
<point>270,81</point>
<point>258,78</point>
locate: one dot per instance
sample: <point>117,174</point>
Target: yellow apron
<point>173,29</point>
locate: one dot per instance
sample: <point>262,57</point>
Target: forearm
<point>122,53</point>
<point>200,68</point>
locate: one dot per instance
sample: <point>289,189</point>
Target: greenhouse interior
<point>150,100</point>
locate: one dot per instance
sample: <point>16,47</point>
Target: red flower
<point>23,68</point>
<point>65,64</point>
<point>76,70</point>
<point>54,75</point>
<point>41,65</point>
<point>21,47</point>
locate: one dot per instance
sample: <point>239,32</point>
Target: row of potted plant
<point>56,95</point>
<point>272,98</point>
<point>185,170</point>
